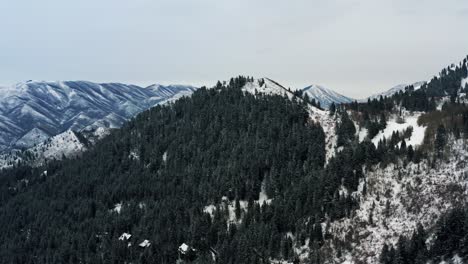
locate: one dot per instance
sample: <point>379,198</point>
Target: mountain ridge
<point>325,95</point>
<point>54,107</point>
<point>395,89</point>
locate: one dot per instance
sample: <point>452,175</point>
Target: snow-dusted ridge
<point>35,110</point>
<point>325,96</point>
<point>394,90</point>
<point>267,86</point>
<point>40,117</point>
<point>67,144</point>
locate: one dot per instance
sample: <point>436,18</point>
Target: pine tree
<point>403,146</point>
<point>382,121</point>
<point>410,153</point>
<point>384,256</point>
<point>346,130</point>
<point>306,98</point>
<point>440,140</point>
<point>237,209</point>
<point>332,108</point>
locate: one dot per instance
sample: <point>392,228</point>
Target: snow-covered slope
<point>400,124</point>
<point>66,144</point>
<point>398,197</point>
<point>394,90</point>
<point>33,111</point>
<point>267,86</point>
<point>328,124</point>
<point>325,96</point>
<point>464,82</point>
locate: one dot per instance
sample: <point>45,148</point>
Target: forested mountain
<point>33,111</point>
<point>163,168</point>
<point>251,172</point>
<point>411,207</point>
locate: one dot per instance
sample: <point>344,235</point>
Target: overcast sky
<point>354,47</point>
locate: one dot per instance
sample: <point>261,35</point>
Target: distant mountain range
<point>395,89</point>
<point>326,96</point>
<point>31,112</point>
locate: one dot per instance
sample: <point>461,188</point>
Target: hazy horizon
<point>356,48</point>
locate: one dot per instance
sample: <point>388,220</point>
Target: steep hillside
<point>412,207</point>
<point>395,198</point>
<point>327,122</point>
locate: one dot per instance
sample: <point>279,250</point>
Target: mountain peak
<point>267,86</point>
<point>325,96</point>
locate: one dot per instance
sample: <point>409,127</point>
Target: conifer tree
<point>410,153</point>
<point>332,108</point>
<point>440,140</point>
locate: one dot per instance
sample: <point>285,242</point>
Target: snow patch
<point>146,243</point>
<point>210,209</point>
<point>393,125</point>
<point>263,197</point>
<point>133,155</point>
<point>230,207</point>
<point>125,236</point>
<point>183,249</point>
<point>117,208</point>
<point>464,82</point>
<point>442,101</point>
<point>101,132</point>
<point>457,260</point>
<point>362,134</point>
